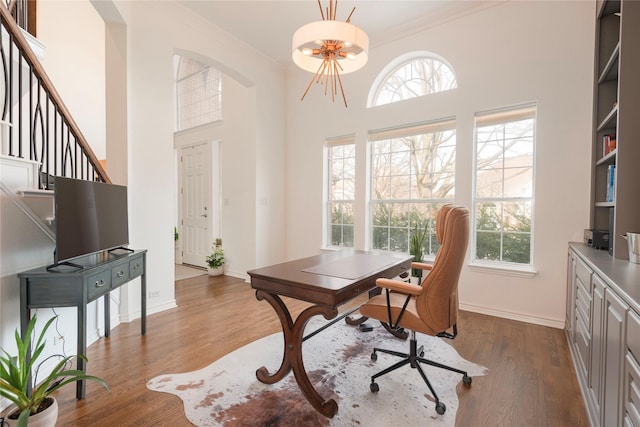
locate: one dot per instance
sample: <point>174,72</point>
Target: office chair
<point>431,307</point>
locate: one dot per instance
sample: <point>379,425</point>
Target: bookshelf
<point>617,118</point>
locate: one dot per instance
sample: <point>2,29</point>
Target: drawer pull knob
<point>99,283</point>
<point>120,273</point>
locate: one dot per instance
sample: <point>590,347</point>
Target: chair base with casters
<point>414,358</point>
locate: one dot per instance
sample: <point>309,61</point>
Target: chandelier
<point>330,48</point>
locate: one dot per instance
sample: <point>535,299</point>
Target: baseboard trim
<point>553,323</point>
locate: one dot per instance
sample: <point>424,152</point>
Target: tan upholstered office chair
<point>430,308</point>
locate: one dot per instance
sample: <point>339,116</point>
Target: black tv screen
<point>90,217</point>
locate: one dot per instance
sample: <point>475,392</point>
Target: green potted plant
<point>415,248</point>
<point>215,261</point>
<point>15,381</point>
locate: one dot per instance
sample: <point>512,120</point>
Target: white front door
<point>198,212</point>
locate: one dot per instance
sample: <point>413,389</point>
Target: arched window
<point>410,76</point>
<point>198,93</point>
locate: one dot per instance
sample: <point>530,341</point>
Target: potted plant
<point>15,381</point>
<point>415,248</point>
<point>215,261</point>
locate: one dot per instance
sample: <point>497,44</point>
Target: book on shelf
<point>611,180</point>
<point>608,143</point>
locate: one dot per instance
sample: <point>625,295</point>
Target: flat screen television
<point>90,217</point>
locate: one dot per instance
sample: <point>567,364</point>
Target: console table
<point>76,287</point>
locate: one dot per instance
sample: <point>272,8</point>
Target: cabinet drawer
<point>583,343</point>
<point>135,268</point>
<point>120,274</point>
<point>633,334</point>
<point>583,305</point>
<point>98,284</point>
<point>632,392</point>
<point>583,273</point>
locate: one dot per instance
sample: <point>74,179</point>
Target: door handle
<point>204,216</point>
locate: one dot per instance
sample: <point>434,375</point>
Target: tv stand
<point>97,276</point>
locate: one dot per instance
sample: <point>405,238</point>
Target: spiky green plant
<point>416,247</point>
<point>15,372</point>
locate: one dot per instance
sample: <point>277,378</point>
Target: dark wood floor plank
<point>531,381</point>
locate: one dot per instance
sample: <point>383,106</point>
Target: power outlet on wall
<point>154,294</point>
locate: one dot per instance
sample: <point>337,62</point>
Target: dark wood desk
<point>327,280</point>
<point>73,287</point>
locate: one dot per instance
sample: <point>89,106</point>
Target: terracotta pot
<point>46,418</point>
<point>215,271</point>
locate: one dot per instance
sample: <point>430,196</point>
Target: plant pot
<point>46,418</point>
<point>215,271</point>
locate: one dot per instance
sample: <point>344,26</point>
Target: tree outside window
<point>505,145</point>
<point>341,172</point>
<point>412,175</point>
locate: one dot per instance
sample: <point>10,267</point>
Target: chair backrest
<point>442,213</point>
<point>437,306</point>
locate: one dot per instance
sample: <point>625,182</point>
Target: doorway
<point>198,197</point>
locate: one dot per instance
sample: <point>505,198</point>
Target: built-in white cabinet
<point>603,331</point>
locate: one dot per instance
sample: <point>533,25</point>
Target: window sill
<point>527,271</point>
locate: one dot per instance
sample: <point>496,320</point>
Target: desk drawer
<point>136,268</point>
<point>120,274</point>
<point>98,284</point>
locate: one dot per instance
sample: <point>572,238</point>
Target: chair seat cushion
<point>376,308</point>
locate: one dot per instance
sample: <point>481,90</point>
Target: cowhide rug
<point>338,361</point>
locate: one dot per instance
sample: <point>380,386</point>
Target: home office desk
<point>76,287</point>
<point>328,281</point>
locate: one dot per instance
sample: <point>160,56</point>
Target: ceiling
<point>269,25</point>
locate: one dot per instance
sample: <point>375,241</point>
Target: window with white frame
<point>412,175</point>
<point>410,76</point>
<point>504,191</point>
<point>198,93</point>
<point>341,165</point>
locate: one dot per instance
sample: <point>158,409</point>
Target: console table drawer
<point>120,274</point>
<point>98,284</point>
<point>136,267</point>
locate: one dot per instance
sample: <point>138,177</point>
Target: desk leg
<point>355,322</point>
<point>292,357</point>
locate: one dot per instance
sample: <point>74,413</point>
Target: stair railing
<point>41,126</point>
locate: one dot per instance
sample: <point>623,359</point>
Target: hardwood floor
<point>531,380</point>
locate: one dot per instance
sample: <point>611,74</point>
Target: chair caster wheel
<point>374,356</point>
<point>374,387</point>
<point>421,354</point>
<point>466,379</point>
<point>440,408</point>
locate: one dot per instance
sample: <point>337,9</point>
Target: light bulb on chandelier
<point>330,48</point>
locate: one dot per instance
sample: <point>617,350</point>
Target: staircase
<point>39,138</point>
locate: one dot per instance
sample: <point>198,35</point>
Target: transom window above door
<point>198,93</point>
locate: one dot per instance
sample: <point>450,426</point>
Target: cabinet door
<point>613,361</point>
<point>632,372</point>
<point>571,295</point>
<point>597,342</point>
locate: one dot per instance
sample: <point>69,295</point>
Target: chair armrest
<point>398,286</point>
<point>421,266</point>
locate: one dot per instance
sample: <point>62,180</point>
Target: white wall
<point>157,30</point>
<point>514,53</point>
<point>73,31</point>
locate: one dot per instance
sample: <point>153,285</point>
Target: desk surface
<point>331,278</point>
